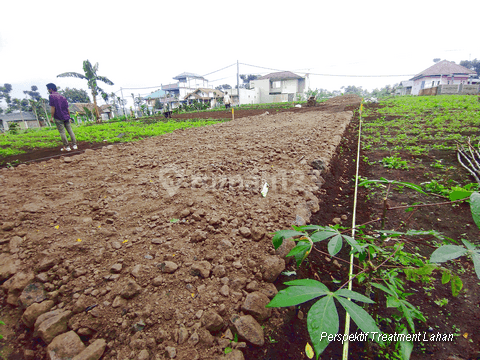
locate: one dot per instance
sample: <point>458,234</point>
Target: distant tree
<point>351,89</point>
<point>472,65</point>
<point>247,78</point>
<point>223,87</point>
<point>5,93</point>
<point>436,60</point>
<point>92,78</point>
<point>75,96</point>
<point>34,94</point>
<point>158,104</point>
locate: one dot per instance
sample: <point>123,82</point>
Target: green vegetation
<point>422,123</point>
<point>387,262</point>
<point>107,132</point>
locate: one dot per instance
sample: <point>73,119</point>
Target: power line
<point>403,75</point>
<point>219,70</point>
<point>261,67</point>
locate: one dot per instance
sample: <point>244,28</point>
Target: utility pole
<point>238,85</point>
<point>123,102</point>
<point>134,107</point>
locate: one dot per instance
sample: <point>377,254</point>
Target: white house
<point>187,82</point>
<point>442,73</point>
<point>405,88</point>
<point>279,87</point>
<point>204,95</point>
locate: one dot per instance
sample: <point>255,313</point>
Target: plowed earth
<point>119,204</point>
<point>190,198</point>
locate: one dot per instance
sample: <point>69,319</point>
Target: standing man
<point>61,116</point>
<point>226,100</point>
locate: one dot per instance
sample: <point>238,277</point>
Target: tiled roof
<point>187,74</point>
<point>283,75</point>
<point>155,95</point>
<point>444,67</point>
<point>27,116</point>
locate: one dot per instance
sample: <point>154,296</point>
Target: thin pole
<point>123,102</point>
<point>238,84</point>
<point>350,271</point>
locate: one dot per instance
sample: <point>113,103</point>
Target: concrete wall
<point>429,91</point>
<point>448,89</point>
<point>466,89</point>
<point>432,81</point>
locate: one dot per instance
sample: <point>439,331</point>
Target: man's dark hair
<point>52,86</point>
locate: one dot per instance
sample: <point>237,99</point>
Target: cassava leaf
<point>392,302</point>
<point>457,285</point>
<point>363,319</point>
<point>322,318</point>
<point>335,245</point>
<point>353,243</point>
<point>299,248</point>
<point>447,252</point>
<point>468,244</point>
<point>459,193</point>
<point>475,207</point>
<point>353,295</point>
<point>446,276</point>
<point>383,288</point>
<point>323,235</point>
<point>302,252</point>
<point>406,347</point>
<point>294,295</point>
<point>476,262</point>
<point>408,315</point>
<point>279,236</point>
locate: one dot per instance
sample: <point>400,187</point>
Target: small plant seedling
<point>395,162</point>
<point>441,302</point>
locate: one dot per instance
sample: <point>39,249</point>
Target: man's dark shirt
<point>61,106</point>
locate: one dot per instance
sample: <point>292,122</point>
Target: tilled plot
<point>161,247</point>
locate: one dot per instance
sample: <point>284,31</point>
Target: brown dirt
<point>119,204</point>
<point>132,191</point>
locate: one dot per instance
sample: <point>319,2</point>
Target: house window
<point>276,84</point>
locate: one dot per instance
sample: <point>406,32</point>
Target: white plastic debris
<point>265,189</point>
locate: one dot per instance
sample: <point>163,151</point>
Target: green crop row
<point>418,124</point>
<point>109,132</point>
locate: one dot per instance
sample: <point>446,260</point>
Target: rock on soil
<point>133,242</point>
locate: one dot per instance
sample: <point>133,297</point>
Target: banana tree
<point>92,78</point>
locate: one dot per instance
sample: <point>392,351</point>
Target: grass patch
<point>109,132</point>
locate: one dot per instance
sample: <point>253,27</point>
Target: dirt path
<point>159,246</point>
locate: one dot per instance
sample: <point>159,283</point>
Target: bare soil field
<point>161,248</point>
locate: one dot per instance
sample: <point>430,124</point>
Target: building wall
<point>469,89</point>
<point>431,81</point>
<point>288,87</point>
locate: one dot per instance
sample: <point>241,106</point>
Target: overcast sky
<point>144,44</point>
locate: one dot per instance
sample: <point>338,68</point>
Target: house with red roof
<point>442,73</point>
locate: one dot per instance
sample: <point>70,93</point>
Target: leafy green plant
<point>395,162</point>
<point>450,252</point>
<point>1,323</point>
<point>13,128</point>
<point>322,318</point>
